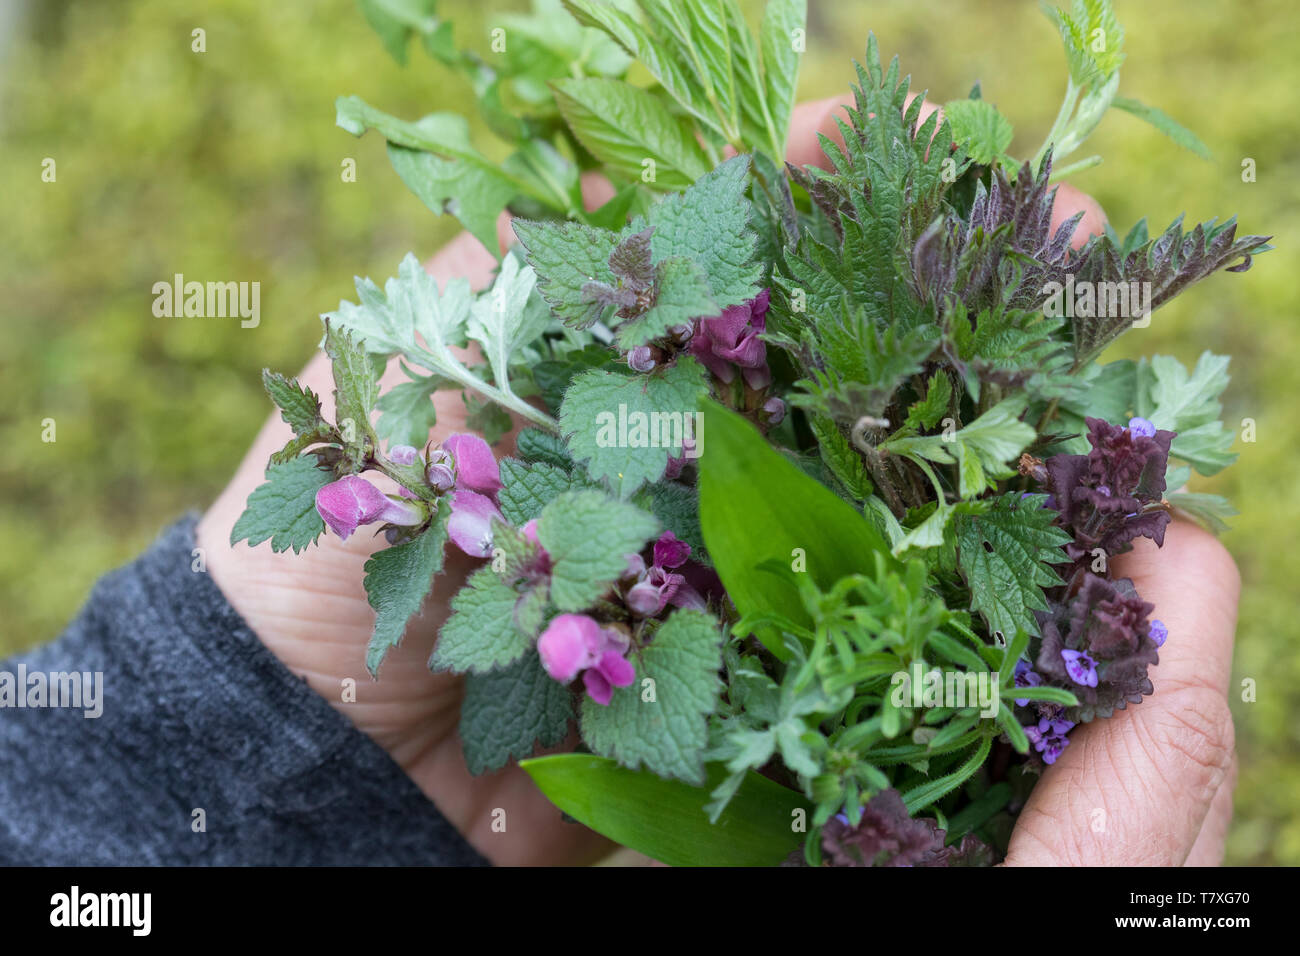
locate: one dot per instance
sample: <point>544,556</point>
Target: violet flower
<point>351,501</point>
<point>660,585</point>
<point>575,643</point>
<point>731,340</point>
<point>1081,668</point>
<point>1025,677</point>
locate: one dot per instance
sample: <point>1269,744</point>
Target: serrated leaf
<point>566,257</point>
<point>678,509</point>
<point>682,293</point>
<point>709,224</point>
<point>588,537</point>
<point>840,458</point>
<point>607,419</point>
<point>1189,404</point>
<point>528,488</point>
<point>504,320</point>
<point>476,195</point>
<point>781,18</point>
<point>507,713</point>
<point>978,127</point>
<point>533,444</point>
<point>299,406</point>
<point>356,385</point>
<point>624,127</point>
<point>981,449</point>
<point>1005,554</point>
<point>667,734</point>
<point>397,581</point>
<point>480,633</point>
<point>1162,121</point>
<point>284,508</point>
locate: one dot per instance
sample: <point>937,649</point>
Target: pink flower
<point>470,524</point>
<point>352,501</point>
<point>476,466</point>
<point>730,340</point>
<point>575,643</point>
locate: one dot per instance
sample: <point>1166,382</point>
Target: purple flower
<point>476,466</point>
<point>1049,737</point>
<point>1081,668</point>
<point>671,551</point>
<point>774,409</point>
<point>1141,427</point>
<point>1158,633</point>
<point>470,524</point>
<point>1025,677</point>
<point>731,340</point>
<point>660,585</point>
<point>575,643</point>
<point>403,455</point>
<point>352,501</point>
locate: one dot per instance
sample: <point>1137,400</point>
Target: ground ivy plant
<point>810,522</point>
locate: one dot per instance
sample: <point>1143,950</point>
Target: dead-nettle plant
<point>916,464</point>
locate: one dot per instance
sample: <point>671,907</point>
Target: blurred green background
<point>226,165</point>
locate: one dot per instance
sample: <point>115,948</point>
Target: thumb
<point>1138,788</point>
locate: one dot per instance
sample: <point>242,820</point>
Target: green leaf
<point>746,484</point>
<point>1053,695</point>
<point>1190,405</point>
<point>1094,40</point>
<point>981,449</point>
<point>709,224</point>
<point>567,256</point>
<point>480,633</point>
<point>1209,511</point>
<point>589,536</point>
<point>978,127</point>
<point>625,426</point>
<point>356,385</point>
<point>677,508</point>
<point>406,411</point>
<point>624,126</point>
<point>535,445</point>
<point>397,581</point>
<point>1005,554</point>
<point>665,819</point>
<point>505,714</point>
<point>840,458</point>
<point>396,20</point>
<point>682,293</point>
<point>663,724</point>
<point>299,406</point>
<point>528,488</point>
<point>506,319</point>
<point>473,193</point>
<point>781,19</point>
<point>284,508</point>
<point>1162,121</point>
<point>918,798</point>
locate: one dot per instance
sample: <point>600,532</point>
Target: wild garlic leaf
<point>661,720</point>
<point>588,536</point>
<point>631,131</point>
<point>506,713</point>
<point>284,508</point>
<point>397,580</point>
<point>480,633</point>
<point>624,427</point>
<point>1006,553</point>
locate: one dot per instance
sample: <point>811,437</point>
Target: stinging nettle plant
<point>837,587</point>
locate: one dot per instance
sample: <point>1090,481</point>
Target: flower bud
<point>774,409</point>
<point>644,599</point>
<point>403,455</point>
<point>440,478</point>
<point>641,359</point>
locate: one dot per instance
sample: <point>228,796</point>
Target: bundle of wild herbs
<point>810,527</point>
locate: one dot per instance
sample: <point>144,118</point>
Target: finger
<point>1136,789</point>
<point>1208,849</point>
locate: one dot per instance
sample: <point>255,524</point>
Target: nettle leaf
<point>625,426</point>
<point>631,131</point>
<point>284,508</point>
<point>568,256</point>
<point>1094,40</point>
<point>480,633</point>
<point>709,224</point>
<point>840,458</point>
<point>397,581</point>
<point>356,386</point>
<point>1190,405</point>
<point>406,411</point>
<point>1005,554</point>
<point>299,406</point>
<point>678,509</point>
<point>681,293</point>
<point>1162,121</point>
<point>979,129</point>
<point>535,445</point>
<point>661,720</point>
<point>528,488</point>
<point>507,713</point>
<point>588,537</point>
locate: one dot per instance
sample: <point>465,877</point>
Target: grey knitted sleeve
<point>197,715</point>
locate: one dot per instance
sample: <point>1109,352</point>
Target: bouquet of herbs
<point>810,526</point>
